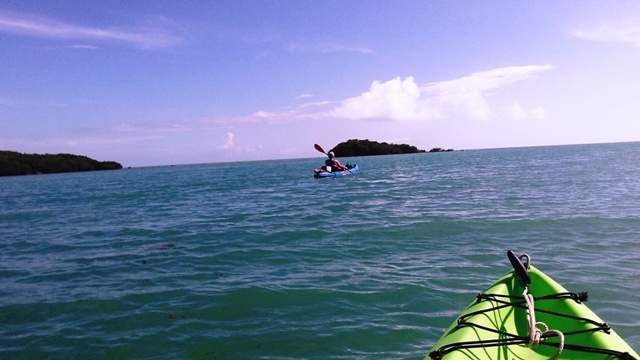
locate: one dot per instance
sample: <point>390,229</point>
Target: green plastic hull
<point>512,320</point>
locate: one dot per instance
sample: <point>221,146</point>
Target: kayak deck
<point>496,326</point>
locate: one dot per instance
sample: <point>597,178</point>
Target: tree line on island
<point>14,163</point>
<point>356,147</point>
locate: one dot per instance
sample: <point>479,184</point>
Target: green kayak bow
<point>527,315</point>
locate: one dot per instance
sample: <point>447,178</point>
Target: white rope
<point>535,335</point>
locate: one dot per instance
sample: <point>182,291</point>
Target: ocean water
<point>259,260</point>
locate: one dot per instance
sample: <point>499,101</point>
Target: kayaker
<point>334,163</point>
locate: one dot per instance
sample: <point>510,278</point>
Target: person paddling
<point>334,163</point>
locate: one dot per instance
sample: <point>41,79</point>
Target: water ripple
<point>224,261</point>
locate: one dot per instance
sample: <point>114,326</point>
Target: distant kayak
<point>527,315</point>
<point>322,173</point>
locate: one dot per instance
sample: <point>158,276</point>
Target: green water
<point>260,260</point>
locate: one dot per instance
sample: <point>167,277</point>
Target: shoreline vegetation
<point>356,147</point>
<point>14,163</point>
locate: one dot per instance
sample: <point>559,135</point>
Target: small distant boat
<point>505,323</point>
<point>324,172</point>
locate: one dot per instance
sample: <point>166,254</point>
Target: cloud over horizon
<point>229,141</point>
<point>405,100</point>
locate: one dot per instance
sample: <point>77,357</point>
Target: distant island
<point>356,147</point>
<point>14,163</point>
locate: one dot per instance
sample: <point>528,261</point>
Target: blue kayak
<point>322,173</point>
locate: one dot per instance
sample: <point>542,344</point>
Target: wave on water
<point>227,261</point>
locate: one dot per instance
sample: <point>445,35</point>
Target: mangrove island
<point>356,147</point>
<point>14,163</point>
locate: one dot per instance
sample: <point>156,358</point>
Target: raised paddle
<point>319,148</point>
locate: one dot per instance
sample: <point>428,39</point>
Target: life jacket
<point>334,165</point>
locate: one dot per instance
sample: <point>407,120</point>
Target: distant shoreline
<point>355,147</point>
<point>13,163</point>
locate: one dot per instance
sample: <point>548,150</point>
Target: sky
<point>148,83</point>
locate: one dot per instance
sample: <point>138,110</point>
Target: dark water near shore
<point>260,260</point>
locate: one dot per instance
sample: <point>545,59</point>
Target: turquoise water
<point>260,260</point>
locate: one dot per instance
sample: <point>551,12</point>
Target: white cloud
<point>399,99</point>
<point>229,142</point>
<point>264,114</point>
<point>515,111</point>
<point>612,33</point>
<point>152,36</point>
<point>539,113</point>
<point>395,99</point>
<point>618,22</point>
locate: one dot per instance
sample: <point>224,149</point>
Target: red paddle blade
<point>319,148</point>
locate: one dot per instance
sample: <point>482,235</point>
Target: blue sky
<point>178,82</point>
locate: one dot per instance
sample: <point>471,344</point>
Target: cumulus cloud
<point>395,99</point>
<point>399,99</point>
<point>156,35</point>
<point>539,113</point>
<point>515,111</point>
<point>229,142</point>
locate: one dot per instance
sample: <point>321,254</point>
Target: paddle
<point>319,148</point>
